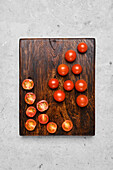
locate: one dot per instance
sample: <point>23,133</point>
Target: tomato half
<point>53,83</point>
<point>70,55</point>
<point>51,127</point>
<point>81,85</point>
<point>42,105</point>
<point>82,47</point>
<point>28,84</point>
<point>31,111</point>
<point>30,98</point>
<point>63,69</point>
<point>77,69</point>
<point>68,85</point>
<point>82,100</point>
<point>30,124</point>
<point>43,118</point>
<point>67,125</point>
<point>59,95</point>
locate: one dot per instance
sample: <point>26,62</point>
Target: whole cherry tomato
<point>30,124</point>
<point>63,69</point>
<point>51,127</point>
<point>82,100</point>
<point>81,85</point>
<point>77,69</point>
<point>67,125</point>
<point>53,83</point>
<point>43,118</point>
<point>82,47</point>
<point>68,85</point>
<point>31,111</point>
<point>59,95</point>
<point>70,55</point>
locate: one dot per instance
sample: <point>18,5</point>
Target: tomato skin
<point>59,95</point>
<point>31,111</point>
<point>30,124</point>
<point>80,85</point>
<point>68,85</point>
<point>53,83</point>
<point>82,47</point>
<point>63,69</point>
<point>67,125</point>
<point>42,105</point>
<point>82,100</point>
<point>30,98</point>
<point>27,84</point>
<point>77,69</point>
<point>43,118</point>
<point>51,127</point>
<point>70,55</point>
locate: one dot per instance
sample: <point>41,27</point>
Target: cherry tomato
<point>30,98</point>
<point>70,55</point>
<point>77,69</point>
<point>59,95</point>
<point>68,85</point>
<point>27,84</point>
<point>67,125</point>
<point>43,118</point>
<point>63,69</point>
<point>51,127</point>
<point>82,100</point>
<point>31,111</point>
<point>82,47</point>
<point>42,105</point>
<point>81,85</point>
<point>53,83</point>
<point>30,124</point>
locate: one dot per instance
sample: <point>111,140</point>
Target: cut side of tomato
<point>31,111</point>
<point>30,124</point>
<point>27,84</point>
<point>51,127</point>
<point>42,105</point>
<point>67,125</point>
<point>30,98</point>
<point>43,118</point>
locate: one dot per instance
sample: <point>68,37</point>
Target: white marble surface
<point>55,18</point>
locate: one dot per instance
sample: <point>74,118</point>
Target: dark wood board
<point>39,59</point>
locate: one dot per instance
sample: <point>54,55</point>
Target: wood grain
<point>39,59</point>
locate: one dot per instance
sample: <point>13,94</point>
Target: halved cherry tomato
<point>51,127</point>
<point>42,105</point>
<point>53,83</point>
<point>70,55</point>
<point>27,84</point>
<point>81,85</point>
<point>77,69</point>
<point>82,100</point>
<point>68,85</point>
<point>82,47</point>
<point>59,95</point>
<point>67,125</point>
<point>63,69</point>
<point>30,98</point>
<point>43,118</point>
<point>31,111</point>
<point>30,124</point>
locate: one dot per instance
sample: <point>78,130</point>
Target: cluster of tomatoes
<point>59,95</point>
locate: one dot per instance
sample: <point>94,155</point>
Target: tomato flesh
<point>51,127</point>
<point>68,85</point>
<point>30,98</point>
<point>77,69</point>
<point>31,111</point>
<point>30,124</point>
<point>82,100</point>
<point>82,47</point>
<point>63,69</point>
<point>80,85</point>
<point>28,84</point>
<point>42,105</point>
<point>59,95</point>
<point>70,55</point>
<point>67,125</point>
<point>43,118</point>
<point>53,83</point>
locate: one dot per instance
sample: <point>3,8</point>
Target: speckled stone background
<point>55,18</point>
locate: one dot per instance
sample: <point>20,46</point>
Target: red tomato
<point>81,85</point>
<point>67,125</point>
<point>59,95</point>
<point>42,105</point>
<point>82,100</point>
<point>68,85</point>
<point>70,55</point>
<point>51,127</point>
<point>53,83</point>
<point>82,47</point>
<point>31,111</point>
<point>77,69</point>
<point>27,84</point>
<point>30,98</point>
<point>30,124</point>
<point>63,69</point>
<point>43,118</point>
